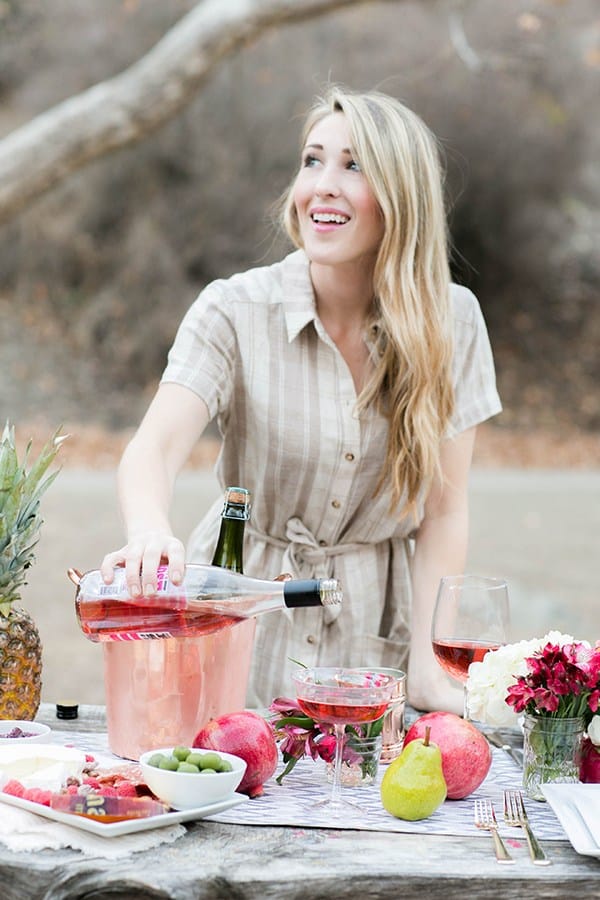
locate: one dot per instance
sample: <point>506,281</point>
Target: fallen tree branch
<point>122,110</point>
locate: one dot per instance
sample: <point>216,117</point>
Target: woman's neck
<point>344,300</point>
<point>344,296</point>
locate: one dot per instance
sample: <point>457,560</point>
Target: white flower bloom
<point>489,680</point>
<point>556,637</point>
<point>593,731</point>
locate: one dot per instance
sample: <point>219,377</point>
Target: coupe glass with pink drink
<point>340,697</point>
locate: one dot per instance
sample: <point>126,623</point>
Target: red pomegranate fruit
<point>589,772</point>
<point>248,735</point>
<point>466,755</point>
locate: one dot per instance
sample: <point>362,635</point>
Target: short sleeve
<point>203,354</point>
<point>476,397</point>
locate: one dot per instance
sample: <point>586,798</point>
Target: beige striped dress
<point>253,348</point>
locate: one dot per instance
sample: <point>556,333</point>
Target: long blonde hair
<point>412,327</point>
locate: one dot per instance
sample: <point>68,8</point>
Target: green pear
<point>413,786</point>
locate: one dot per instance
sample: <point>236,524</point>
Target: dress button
<point>311,639</point>
<point>350,457</point>
<point>336,504</point>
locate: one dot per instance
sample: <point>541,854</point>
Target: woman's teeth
<point>330,217</point>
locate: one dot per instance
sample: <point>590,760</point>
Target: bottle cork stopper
<point>237,495</point>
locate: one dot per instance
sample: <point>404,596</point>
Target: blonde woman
<point>347,380</point>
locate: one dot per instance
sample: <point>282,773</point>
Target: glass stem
<point>465,703</point>
<point>336,787</point>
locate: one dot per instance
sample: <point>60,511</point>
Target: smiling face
<point>339,220</point>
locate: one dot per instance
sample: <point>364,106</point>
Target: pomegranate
<point>589,771</point>
<point>244,734</point>
<point>466,755</point>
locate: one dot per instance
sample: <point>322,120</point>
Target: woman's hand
<point>141,557</point>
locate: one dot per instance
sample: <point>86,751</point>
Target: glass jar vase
<point>551,752</point>
<point>360,760</point>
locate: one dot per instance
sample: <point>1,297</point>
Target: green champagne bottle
<point>229,552</point>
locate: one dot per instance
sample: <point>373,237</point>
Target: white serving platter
<point>127,826</point>
<point>571,803</point>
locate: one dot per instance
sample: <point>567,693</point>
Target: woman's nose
<point>327,184</point>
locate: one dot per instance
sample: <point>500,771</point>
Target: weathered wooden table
<point>215,861</point>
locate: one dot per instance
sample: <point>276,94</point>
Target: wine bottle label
<point>118,589</point>
<point>136,635</point>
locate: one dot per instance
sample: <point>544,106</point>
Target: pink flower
<point>561,681</point>
<point>327,747</point>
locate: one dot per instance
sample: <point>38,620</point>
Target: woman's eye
<point>354,166</point>
<point>310,160</point>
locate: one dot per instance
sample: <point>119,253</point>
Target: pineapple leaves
<point>20,492</point>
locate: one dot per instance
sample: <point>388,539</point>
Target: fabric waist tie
<point>304,557</point>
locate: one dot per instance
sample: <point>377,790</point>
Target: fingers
<point>176,557</point>
<point>141,558</point>
<point>110,561</point>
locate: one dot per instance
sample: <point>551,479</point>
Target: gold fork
<point>485,818</point>
<point>515,814</point>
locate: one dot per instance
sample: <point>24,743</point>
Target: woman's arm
<point>149,466</point>
<point>440,549</point>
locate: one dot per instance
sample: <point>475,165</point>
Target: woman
<point>347,381</point>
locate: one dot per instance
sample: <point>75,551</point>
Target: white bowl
<point>189,790</point>
<point>39,733</point>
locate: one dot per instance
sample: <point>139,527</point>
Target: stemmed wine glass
<point>338,697</point>
<point>471,616</point>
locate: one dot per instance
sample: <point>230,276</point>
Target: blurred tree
<point>123,110</point>
<point>96,274</point>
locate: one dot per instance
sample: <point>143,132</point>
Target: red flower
<point>560,682</point>
<point>327,747</point>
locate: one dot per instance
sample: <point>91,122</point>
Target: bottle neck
<point>229,552</point>
<point>311,592</point>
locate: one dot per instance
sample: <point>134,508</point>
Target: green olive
<point>155,759</point>
<point>194,758</point>
<point>210,761</point>
<point>187,767</point>
<point>181,753</point>
<point>169,763</point>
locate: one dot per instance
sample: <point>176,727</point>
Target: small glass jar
<point>393,722</point>
<point>551,752</point>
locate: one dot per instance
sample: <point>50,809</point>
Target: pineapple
<point>20,645</point>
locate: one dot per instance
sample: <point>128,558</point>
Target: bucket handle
<point>75,575</point>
